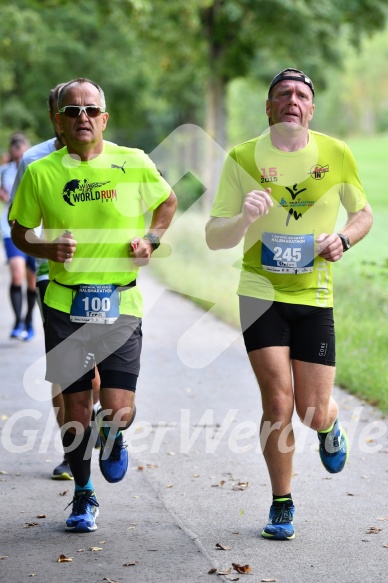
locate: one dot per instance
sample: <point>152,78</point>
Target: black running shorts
<point>73,350</point>
<point>307,330</point>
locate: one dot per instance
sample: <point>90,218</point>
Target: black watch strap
<point>154,240</point>
<point>345,242</point>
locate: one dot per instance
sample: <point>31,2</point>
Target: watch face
<point>345,242</point>
<point>154,240</point>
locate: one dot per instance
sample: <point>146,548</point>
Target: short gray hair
<point>63,90</point>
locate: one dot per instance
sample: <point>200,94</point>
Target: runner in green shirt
<point>91,197</point>
<point>282,192</point>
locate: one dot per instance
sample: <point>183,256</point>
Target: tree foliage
<point>164,63</point>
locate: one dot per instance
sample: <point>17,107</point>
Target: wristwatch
<point>154,240</point>
<point>345,242</point>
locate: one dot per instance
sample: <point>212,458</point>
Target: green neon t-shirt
<point>102,202</point>
<point>307,188</point>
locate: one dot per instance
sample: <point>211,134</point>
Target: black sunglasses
<point>76,110</point>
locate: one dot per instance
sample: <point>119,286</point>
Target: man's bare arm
<point>140,249</point>
<point>60,250</point>
<point>225,233</point>
<point>357,226</point>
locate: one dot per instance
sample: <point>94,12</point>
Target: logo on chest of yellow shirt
<point>76,191</point>
<point>296,204</point>
<point>318,172</point>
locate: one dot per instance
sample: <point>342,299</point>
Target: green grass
<point>361,288</point>
<point>360,281</point>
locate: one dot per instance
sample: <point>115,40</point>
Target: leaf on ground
<point>101,542</point>
<point>223,547</point>
<point>385,546</point>
<point>235,532</point>
<point>41,516</point>
<point>4,557</point>
<point>96,549</point>
<point>32,575</point>
<point>269,580</point>
<point>130,564</point>
<point>63,493</point>
<point>30,524</point>
<point>381,518</point>
<point>373,530</point>
<point>64,559</point>
<point>233,578</point>
<point>170,486</point>
<point>81,550</point>
<point>222,483</point>
<point>152,466</point>
<point>213,570</point>
<point>240,486</point>
<point>3,473</point>
<point>109,580</point>
<point>241,568</point>
<point>140,468</point>
<point>224,571</point>
<point>195,475</point>
<point>242,512</point>
<point>349,494</point>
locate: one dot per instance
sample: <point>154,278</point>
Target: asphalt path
<point>197,479</point>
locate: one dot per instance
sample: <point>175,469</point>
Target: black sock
<point>15,292</point>
<point>281,499</point>
<point>80,457</point>
<point>31,299</point>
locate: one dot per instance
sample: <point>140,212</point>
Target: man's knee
<point>278,408</point>
<point>314,416</point>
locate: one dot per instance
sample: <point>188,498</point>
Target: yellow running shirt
<point>102,203</point>
<point>308,185</point>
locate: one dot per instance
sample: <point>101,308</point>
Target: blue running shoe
<point>113,457</point>
<point>280,525</point>
<point>29,334</point>
<point>334,448</point>
<point>84,513</point>
<point>18,332</point>
<point>115,466</point>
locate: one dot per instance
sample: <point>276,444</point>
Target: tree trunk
<point>216,131</point>
<point>215,106</point>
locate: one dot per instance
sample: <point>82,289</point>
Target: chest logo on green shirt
<point>296,206</point>
<point>76,191</point>
<point>119,167</point>
<point>318,172</point>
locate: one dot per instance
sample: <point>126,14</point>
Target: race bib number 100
<point>287,253</point>
<point>95,304</point>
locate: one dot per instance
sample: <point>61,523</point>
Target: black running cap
<point>287,75</point>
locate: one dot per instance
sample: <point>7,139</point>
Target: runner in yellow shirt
<point>91,197</point>
<point>282,193</point>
